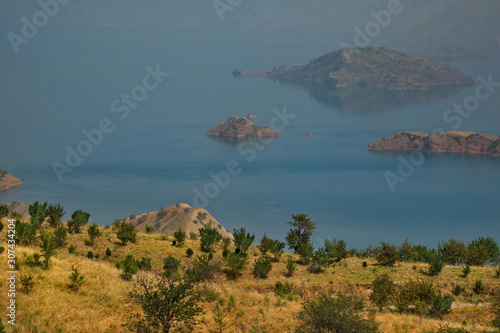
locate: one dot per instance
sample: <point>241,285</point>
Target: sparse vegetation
<point>78,219</point>
<point>126,232</point>
<point>180,237</point>
<point>93,233</point>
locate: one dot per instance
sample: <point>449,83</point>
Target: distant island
<point>370,66</point>
<point>449,142</point>
<point>239,127</point>
<point>181,216</point>
<point>8,181</point>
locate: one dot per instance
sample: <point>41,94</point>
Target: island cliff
<point>449,142</point>
<point>370,66</point>
<point>181,216</point>
<point>8,181</point>
<point>239,128</point>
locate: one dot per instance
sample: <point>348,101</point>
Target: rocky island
<point>240,128</point>
<point>370,66</point>
<point>181,216</point>
<point>8,181</point>
<point>448,142</point>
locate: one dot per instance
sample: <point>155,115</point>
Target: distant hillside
<point>372,66</point>
<point>240,127</point>
<point>457,53</point>
<point>169,220</point>
<point>17,208</point>
<point>7,180</point>
<point>451,142</point>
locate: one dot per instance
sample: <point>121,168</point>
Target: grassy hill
<point>181,216</point>
<point>103,303</point>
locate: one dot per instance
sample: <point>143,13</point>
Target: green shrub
<point>4,211</point>
<point>2,249</point>
<point>497,272</point>
<point>234,263</point>
<point>283,289</point>
<point>306,252</point>
<point>108,252</point>
<point>171,267</point>
<point>243,240</point>
<point>180,237</point>
<point>365,264</point>
<point>27,282</point>
<point>441,305</point>
<point>209,237</point>
<point>320,260</point>
<point>90,255</point>
<point>435,261</point>
<point>387,254</point>
<point>276,248</point>
<point>336,249</point>
<point>79,218</point>
<point>61,234</point>
<point>328,314</point>
<point>226,242</point>
<point>457,290</point>
<point>203,268</point>
<point>291,266</point>
<point>55,213</point>
<point>189,253</point>
<point>265,244</point>
<point>465,271</point>
<point>193,236</point>
<point>93,232</point>
<point>149,229</point>
<point>76,279</point>
<point>126,232</point>
<point>383,289</point>
<point>144,264</point>
<point>129,267</point>
<point>71,249</point>
<point>262,267</point>
<point>225,252</point>
<point>48,247</point>
<point>478,287</point>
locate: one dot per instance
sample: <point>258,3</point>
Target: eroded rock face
<point>240,127</point>
<point>451,142</point>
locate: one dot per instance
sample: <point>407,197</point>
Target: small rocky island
<point>8,181</point>
<point>370,66</point>
<point>449,142</point>
<point>240,128</point>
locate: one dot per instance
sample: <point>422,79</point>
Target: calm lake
<point>65,80</point>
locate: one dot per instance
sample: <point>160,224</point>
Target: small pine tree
<point>465,271</point>
<point>189,253</point>
<point>76,279</point>
<point>93,233</point>
<point>27,282</point>
<point>48,247</point>
<point>262,267</point>
<point>291,266</point>
<point>235,263</point>
<point>126,232</point>
<point>108,252</point>
<point>180,237</point>
<point>61,234</point>
<point>149,229</point>
<point>129,267</point>
<point>90,255</point>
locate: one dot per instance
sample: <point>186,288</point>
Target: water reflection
<point>366,99</point>
<point>249,141</point>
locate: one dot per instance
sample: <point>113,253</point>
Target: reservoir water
<point>66,80</point>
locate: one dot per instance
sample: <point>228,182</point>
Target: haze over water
<point>65,80</point>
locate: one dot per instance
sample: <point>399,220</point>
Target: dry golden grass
<point>103,305</point>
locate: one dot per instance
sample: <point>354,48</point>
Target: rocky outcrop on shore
<point>448,142</point>
<point>8,181</point>
<point>239,127</point>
